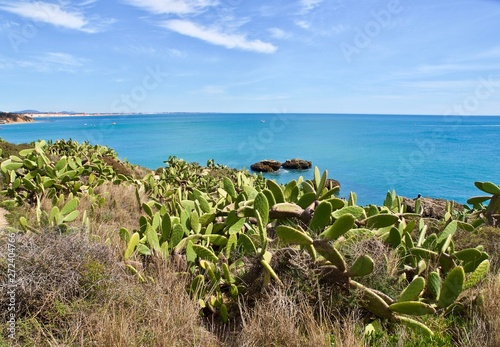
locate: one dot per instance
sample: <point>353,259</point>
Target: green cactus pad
<point>177,235</point>
<point>472,265</point>
<point>205,253</point>
<point>449,230</point>
<point>270,271</point>
<point>430,242</point>
<point>342,225</point>
<point>285,210</point>
<point>306,199</point>
<point>394,237</point>
<point>415,325</point>
<point>488,187</point>
<point>197,284</point>
<point>381,220</point>
<point>371,301</point>
<point>478,274</point>
<point>321,216</point>
<point>413,290</point>
<point>467,255</point>
<point>70,206</point>
<point>434,284</point>
<point>270,197</point>
<point>478,200</point>
<point>356,211</point>
<point>336,203</point>
<point>330,253</point>
<point>412,308</point>
<point>134,241</point>
<point>423,253</point>
<point>70,217</point>
<point>291,235</point>
<point>261,205</point>
<point>229,187</point>
<point>452,287</point>
<point>275,188</point>
<point>362,266</point>
<point>246,242</point>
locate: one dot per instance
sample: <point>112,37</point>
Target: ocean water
<point>435,156</point>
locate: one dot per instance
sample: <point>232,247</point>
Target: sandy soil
<point>3,221</point>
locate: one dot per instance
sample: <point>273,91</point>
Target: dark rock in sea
<point>297,164</point>
<point>266,166</point>
<point>431,208</point>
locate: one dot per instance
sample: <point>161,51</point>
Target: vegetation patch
<point>112,255</point>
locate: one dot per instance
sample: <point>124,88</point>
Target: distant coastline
<point>8,118</point>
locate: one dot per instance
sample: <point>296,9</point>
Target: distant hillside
<point>41,112</point>
<point>6,117</point>
<point>27,111</point>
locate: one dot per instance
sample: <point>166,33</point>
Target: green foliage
<point>226,224</point>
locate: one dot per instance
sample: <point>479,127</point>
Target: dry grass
<point>345,330</point>
<point>54,268</point>
<point>484,327</point>
<point>155,314</point>
<point>282,319</point>
<point>119,208</point>
<point>71,292</point>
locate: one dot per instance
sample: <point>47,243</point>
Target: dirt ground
<point>3,221</point>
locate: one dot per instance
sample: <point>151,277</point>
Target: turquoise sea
<point>437,156</point>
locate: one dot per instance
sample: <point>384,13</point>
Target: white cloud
<point>173,6</point>
<point>217,37</point>
<point>278,33</point>
<point>214,89</point>
<point>176,53</point>
<point>308,5</point>
<point>65,59</point>
<point>303,24</point>
<point>46,62</point>
<point>50,13</point>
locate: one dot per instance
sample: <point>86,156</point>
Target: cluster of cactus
<point>216,231</point>
<point>53,169</point>
<point>436,273</point>
<point>213,221</point>
<point>491,213</point>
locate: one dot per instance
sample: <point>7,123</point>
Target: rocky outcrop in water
<point>297,164</point>
<point>266,166</point>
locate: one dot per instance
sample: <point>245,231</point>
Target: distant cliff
<point>6,117</point>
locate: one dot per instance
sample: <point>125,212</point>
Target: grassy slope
<point>85,296</point>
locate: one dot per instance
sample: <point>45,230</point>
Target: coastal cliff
<point>6,117</point>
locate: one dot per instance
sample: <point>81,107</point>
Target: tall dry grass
<point>483,329</point>
<point>154,314</point>
<point>283,318</point>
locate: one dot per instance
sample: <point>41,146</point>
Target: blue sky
<point>332,56</point>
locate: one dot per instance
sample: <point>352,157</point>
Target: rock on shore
<point>431,208</point>
<point>6,117</point>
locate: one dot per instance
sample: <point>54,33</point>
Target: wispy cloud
<point>46,62</point>
<point>180,7</point>
<point>64,59</point>
<point>213,90</point>
<point>218,37</point>
<point>308,5</point>
<point>303,24</point>
<point>278,33</point>
<point>54,14</point>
